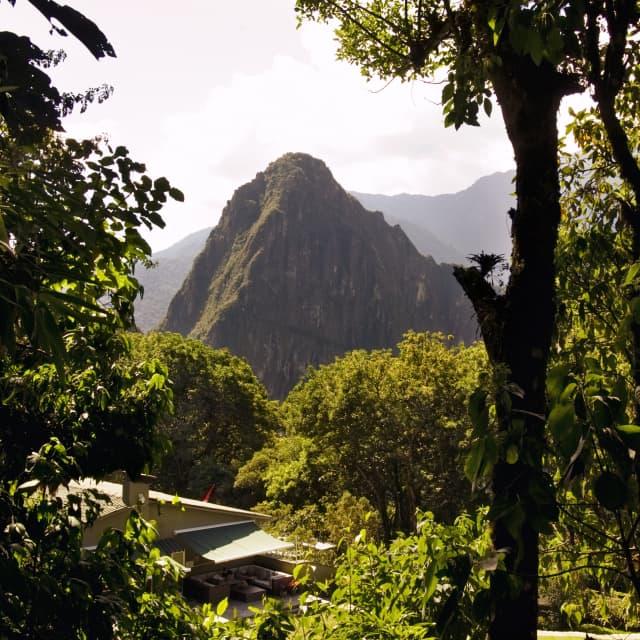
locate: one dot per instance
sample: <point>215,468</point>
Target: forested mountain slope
<point>163,280</point>
<point>297,272</point>
<point>468,221</point>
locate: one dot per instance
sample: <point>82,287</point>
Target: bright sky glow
<point>208,92</point>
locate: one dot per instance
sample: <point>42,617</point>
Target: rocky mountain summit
<point>297,272</point>
<point>467,222</point>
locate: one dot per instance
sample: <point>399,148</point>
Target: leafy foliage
<point>530,55</point>
<point>389,428</point>
<point>70,405</point>
<point>54,588</point>
<point>592,386</point>
<point>426,585</point>
<point>288,469</point>
<point>414,40</point>
<point>30,105</point>
<point>69,238</point>
<point>221,415</point>
<point>70,241</point>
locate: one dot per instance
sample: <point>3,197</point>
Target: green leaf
<point>176,194</point>
<point>629,429</point>
<point>512,454</point>
<point>430,581</point>
<point>222,606</point>
<point>161,184</point>
<point>447,92</point>
<point>479,411</point>
<point>474,461</point>
<point>556,379</point>
<point>568,392</point>
<point>450,120</point>
<point>610,490</point>
<point>490,455</point>
<point>4,236</point>
<point>630,434</point>
<point>561,421</point>
<point>580,406</point>
<point>157,381</point>
<point>632,273</point>
<point>488,106</point>
<point>496,24</point>
<point>592,365</point>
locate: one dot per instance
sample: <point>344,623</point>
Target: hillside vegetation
<point>298,272</point>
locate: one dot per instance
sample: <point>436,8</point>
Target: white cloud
<point>208,93</point>
<point>389,141</point>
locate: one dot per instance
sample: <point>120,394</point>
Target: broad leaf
<point>610,490</point>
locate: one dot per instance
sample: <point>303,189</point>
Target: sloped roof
<point>114,491</point>
<point>212,506</point>
<point>113,504</point>
<point>169,545</point>
<point>237,538</point>
<point>236,541</point>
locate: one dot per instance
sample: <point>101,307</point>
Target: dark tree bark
<point>517,327</point>
<point>607,76</point>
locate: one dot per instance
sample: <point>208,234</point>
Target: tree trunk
<point>406,506</point>
<point>517,328</point>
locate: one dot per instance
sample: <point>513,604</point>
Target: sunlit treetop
<point>464,44</point>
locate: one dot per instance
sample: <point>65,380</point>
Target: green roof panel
<point>224,543</point>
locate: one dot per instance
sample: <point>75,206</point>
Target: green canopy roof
<point>224,543</point>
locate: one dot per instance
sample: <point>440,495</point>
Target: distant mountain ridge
<point>449,227</point>
<point>480,210</point>
<point>163,280</point>
<point>297,272</point>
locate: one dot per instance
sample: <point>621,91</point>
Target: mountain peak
<point>298,272</point>
<point>296,163</point>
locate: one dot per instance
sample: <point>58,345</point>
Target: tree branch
<point>487,305</point>
<point>81,27</point>
<point>580,568</point>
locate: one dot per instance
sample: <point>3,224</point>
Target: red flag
<point>209,493</point>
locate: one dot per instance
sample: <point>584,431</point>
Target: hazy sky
<point>208,92</point>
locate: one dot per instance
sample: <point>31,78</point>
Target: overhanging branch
<point>486,303</point>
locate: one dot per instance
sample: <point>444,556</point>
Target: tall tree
<point>614,78</point>
<point>70,406</point>
<point>69,242</point>
<point>530,55</point>
<point>389,428</point>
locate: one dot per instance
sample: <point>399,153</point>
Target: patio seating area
<point>247,583</point>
